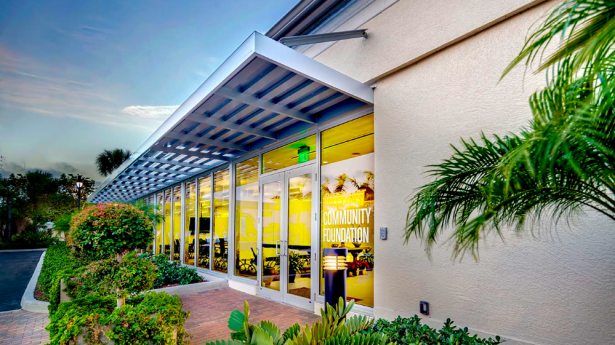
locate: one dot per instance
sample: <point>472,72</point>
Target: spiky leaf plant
<point>334,328</point>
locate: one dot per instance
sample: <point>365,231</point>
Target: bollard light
<point>334,267</point>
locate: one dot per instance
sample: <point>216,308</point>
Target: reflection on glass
<point>167,222</point>
<point>159,222</point>
<point>177,225</point>
<point>204,222</point>
<point>221,205</point>
<point>347,202</point>
<point>246,216</point>
<point>300,151</point>
<point>272,206</point>
<point>299,235</point>
<point>189,223</point>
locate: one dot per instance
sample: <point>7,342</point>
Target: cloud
<point>55,169</point>
<point>27,85</point>
<point>152,112</point>
<point>88,33</point>
<point>208,63</point>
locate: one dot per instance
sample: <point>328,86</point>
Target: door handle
<point>277,247</point>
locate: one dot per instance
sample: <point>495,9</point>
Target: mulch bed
<point>39,295</point>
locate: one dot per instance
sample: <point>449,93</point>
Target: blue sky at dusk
<point>77,77</point>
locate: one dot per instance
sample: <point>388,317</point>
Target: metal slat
<point>242,97</point>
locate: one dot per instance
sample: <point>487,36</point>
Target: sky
<point>78,77</point>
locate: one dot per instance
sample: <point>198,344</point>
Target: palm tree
<point>109,160</point>
<point>560,165</point>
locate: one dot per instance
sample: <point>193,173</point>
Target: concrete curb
<point>211,283</point>
<point>22,250</point>
<point>28,302</point>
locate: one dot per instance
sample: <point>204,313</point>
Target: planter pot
<point>291,278</point>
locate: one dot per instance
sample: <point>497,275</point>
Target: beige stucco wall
<point>556,289</point>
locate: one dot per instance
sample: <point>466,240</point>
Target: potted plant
<point>295,265</point>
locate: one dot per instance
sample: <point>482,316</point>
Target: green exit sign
<point>304,154</point>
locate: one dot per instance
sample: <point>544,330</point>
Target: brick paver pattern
<point>209,313</point>
<point>23,327</point>
<point>210,310</point>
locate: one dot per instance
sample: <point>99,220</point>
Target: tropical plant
<point>555,168</point>
<point>334,328</point>
<point>109,160</point>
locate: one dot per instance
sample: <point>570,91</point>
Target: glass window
<point>298,152</point>
<point>300,235</point>
<point>347,202</point>
<point>167,222</point>
<point>221,210</point>
<point>151,207</point>
<point>246,217</point>
<point>204,223</point>
<point>190,223</point>
<point>177,224</point>
<point>272,211</point>
<point>159,222</point>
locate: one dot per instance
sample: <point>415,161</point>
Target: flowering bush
<point>102,230</point>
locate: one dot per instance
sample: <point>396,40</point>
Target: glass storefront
<point>189,223</point>
<point>204,223</point>
<point>347,202</point>
<point>286,214</point>
<point>221,221</point>
<point>168,200</point>
<point>246,218</point>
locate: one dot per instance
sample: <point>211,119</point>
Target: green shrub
<point>170,272</point>
<point>335,328</point>
<point>112,229</point>
<point>131,276</point>
<point>30,239</point>
<point>57,258</point>
<point>411,331</point>
<point>149,319</point>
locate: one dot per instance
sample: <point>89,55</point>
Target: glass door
<point>270,237</point>
<point>285,238</point>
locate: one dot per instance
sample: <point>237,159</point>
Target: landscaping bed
<point>59,259</point>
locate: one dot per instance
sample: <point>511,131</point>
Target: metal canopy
<point>264,92</point>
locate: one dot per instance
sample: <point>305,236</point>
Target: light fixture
<point>334,266</point>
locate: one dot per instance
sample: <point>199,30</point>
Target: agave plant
<point>560,165</point>
<point>335,328</point>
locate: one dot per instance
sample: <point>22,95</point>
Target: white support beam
<point>211,121</point>
<point>202,140</point>
<point>263,104</point>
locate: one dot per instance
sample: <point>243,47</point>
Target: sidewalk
<point>209,313</point>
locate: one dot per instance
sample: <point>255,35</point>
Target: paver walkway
<point>209,312</point>
<point>16,269</point>
<point>23,327</point>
